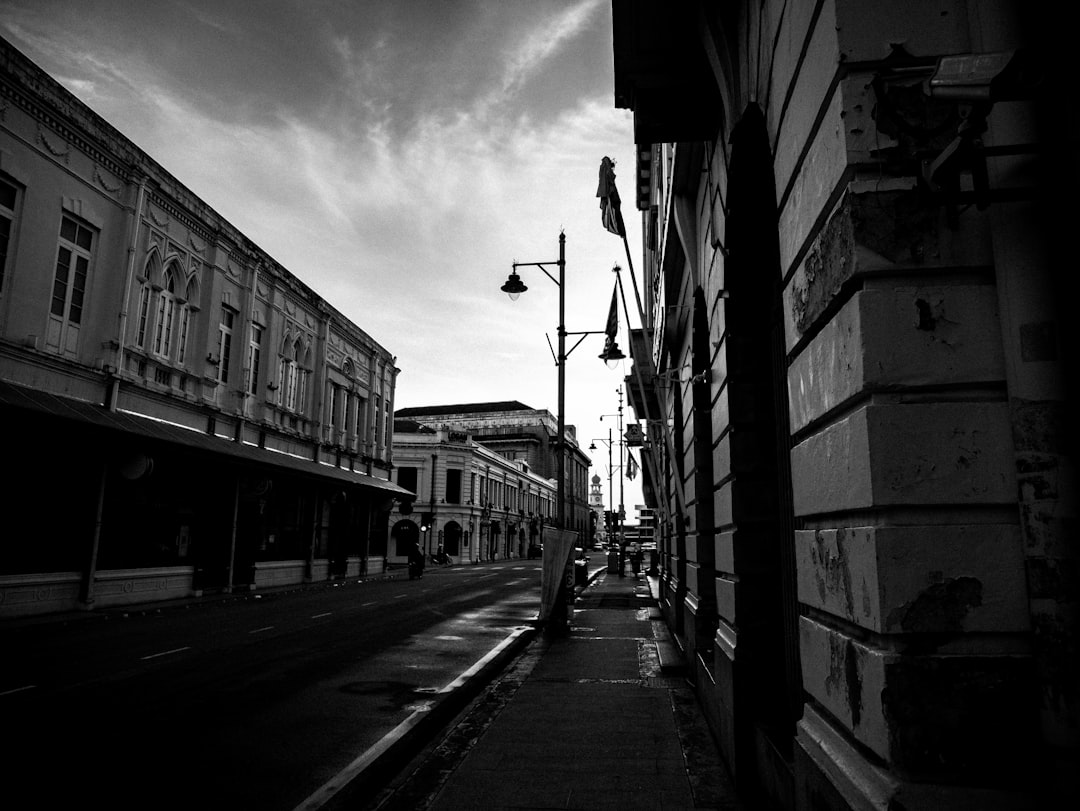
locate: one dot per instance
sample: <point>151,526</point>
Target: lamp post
<point>610,472</point>
<point>514,287</point>
<point>622,509</point>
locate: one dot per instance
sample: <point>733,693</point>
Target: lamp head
<point>612,354</point>
<point>513,286</point>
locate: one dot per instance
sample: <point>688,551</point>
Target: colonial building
<point>854,386</point>
<point>180,412</point>
<point>518,432</point>
<point>476,504</point>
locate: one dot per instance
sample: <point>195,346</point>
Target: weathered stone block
<point>819,174</point>
<point>933,579</point>
<point>925,27</point>
<point>932,717</point>
<point>875,230</point>
<point>907,454</point>
<point>897,336</point>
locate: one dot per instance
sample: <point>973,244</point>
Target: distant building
<point>476,504</point>
<point>518,432</point>
<point>596,504</point>
<point>181,413</point>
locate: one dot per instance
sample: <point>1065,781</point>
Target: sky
<point>397,156</point>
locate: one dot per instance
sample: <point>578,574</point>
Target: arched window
<point>186,313</point>
<point>300,377</point>
<point>166,305</point>
<point>292,378</point>
<point>150,271</point>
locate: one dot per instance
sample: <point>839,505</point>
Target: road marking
<point>320,616</point>
<point>166,652</point>
<point>260,630</point>
<point>18,689</point>
<point>399,596</point>
<point>365,605</point>
<point>449,638</point>
<point>326,792</point>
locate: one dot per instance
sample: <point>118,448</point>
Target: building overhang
<point>663,72</point>
<point>121,423</point>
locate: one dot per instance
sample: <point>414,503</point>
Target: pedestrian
<point>635,558</point>
<point>416,562</point>
<point>622,560</point>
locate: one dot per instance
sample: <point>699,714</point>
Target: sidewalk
<point>586,720</point>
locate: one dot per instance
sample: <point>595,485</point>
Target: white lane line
<point>326,792</point>
<point>399,596</point>
<point>166,653</point>
<point>320,616</point>
<point>261,630</point>
<point>18,689</point>
<point>365,605</point>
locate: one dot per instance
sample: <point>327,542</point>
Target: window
<point>453,486</point>
<point>296,382</point>
<point>332,405</point>
<point>406,477</point>
<point>350,413</point>
<point>69,285</point>
<point>166,305</point>
<point>254,352</point>
<point>144,316</point>
<point>292,378</point>
<point>7,218</point>
<point>225,343</point>
<point>186,314</point>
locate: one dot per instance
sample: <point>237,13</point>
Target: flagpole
<point>680,494</point>
<point>612,220</point>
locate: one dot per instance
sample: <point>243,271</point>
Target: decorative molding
<point>155,220</point>
<point>102,182</point>
<point>58,153</point>
<point>195,246</point>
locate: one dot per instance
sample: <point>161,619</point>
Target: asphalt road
<point>244,703</point>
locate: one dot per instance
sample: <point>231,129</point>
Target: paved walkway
<point>586,720</point>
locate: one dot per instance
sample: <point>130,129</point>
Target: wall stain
<point>941,608</point>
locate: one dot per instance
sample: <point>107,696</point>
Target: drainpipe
<point>114,385</point>
<point>91,568</point>
<point>431,529</point>
<point>232,541</point>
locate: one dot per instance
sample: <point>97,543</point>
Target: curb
<point>382,763</point>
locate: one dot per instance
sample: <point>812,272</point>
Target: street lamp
<point>514,287</point>
<point>622,510</point>
<point>610,472</point>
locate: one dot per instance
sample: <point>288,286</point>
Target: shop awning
<point>126,423</point>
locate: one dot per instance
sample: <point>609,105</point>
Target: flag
<point>631,466</point>
<point>612,328</point>
<point>610,215</point>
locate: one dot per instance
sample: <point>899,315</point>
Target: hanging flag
<point>631,466</point>
<point>610,214</point>
<point>612,328</point>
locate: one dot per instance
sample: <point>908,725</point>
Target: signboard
<point>634,437</point>
<point>558,569</point>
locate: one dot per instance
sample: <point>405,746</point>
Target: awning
<point>92,414</point>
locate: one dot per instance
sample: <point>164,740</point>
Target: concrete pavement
<point>589,719</point>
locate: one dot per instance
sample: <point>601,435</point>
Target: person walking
<point>416,562</point>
